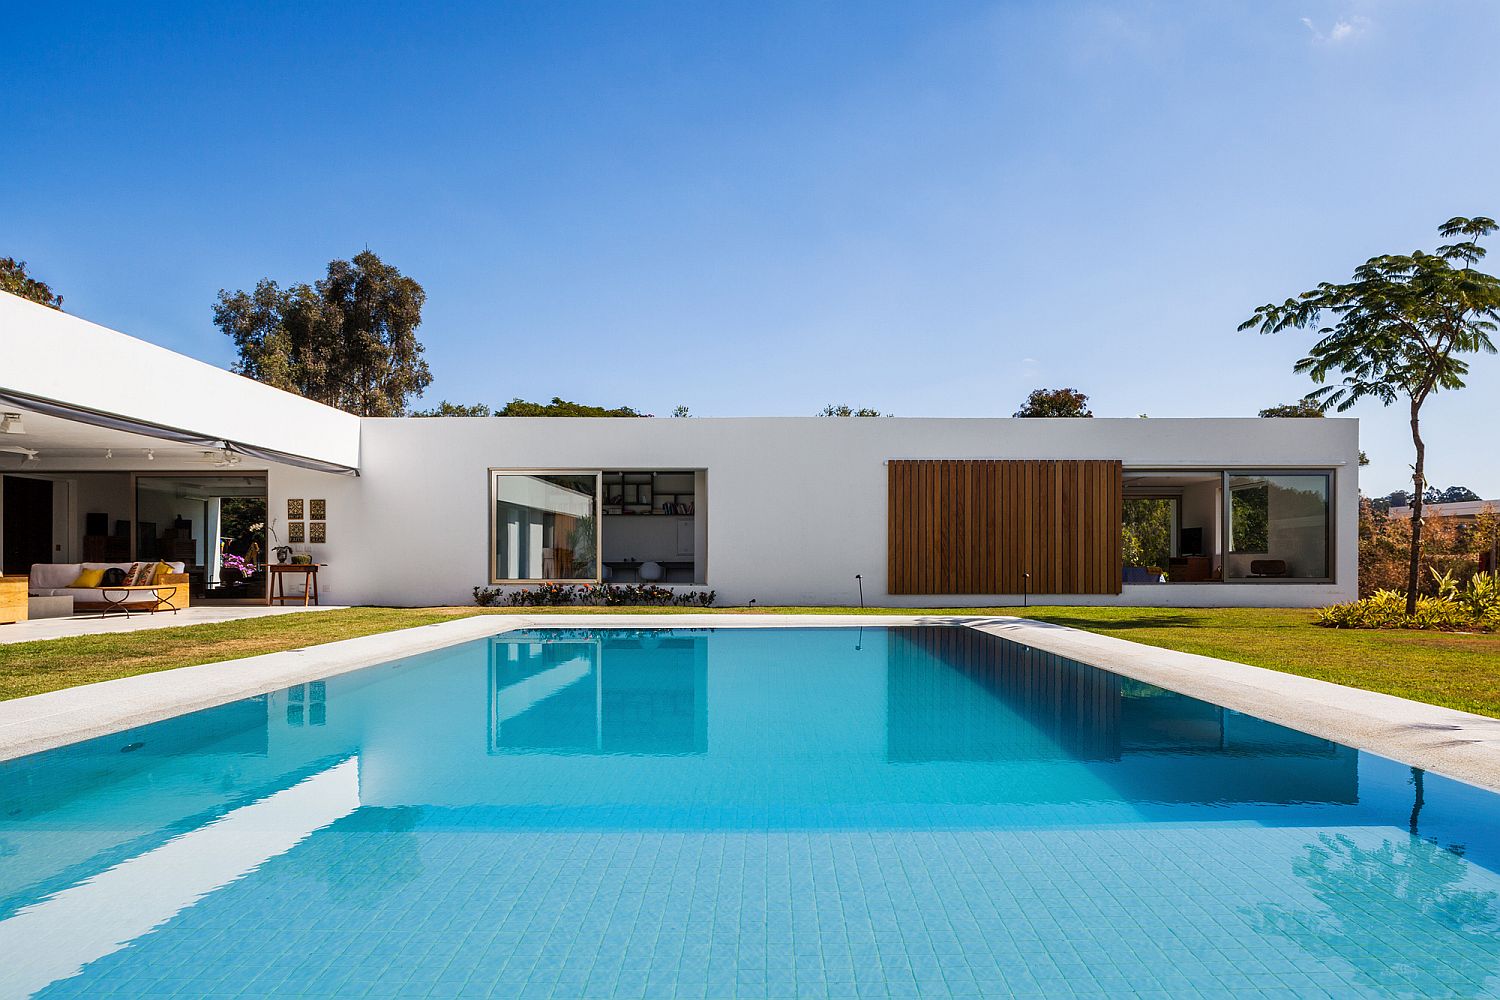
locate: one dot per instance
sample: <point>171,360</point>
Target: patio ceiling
<point>48,443</point>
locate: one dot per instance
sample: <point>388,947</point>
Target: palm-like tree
<point>1402,326</point>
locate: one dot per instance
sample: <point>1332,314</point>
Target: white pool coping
<point>1460,745</point>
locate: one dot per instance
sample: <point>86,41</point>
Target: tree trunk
<point>1419,483</point>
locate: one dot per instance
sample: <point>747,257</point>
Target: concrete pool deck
<point>1456,744</point>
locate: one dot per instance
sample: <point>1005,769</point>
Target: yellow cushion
<point>162,572</point>
<point>88,579</point>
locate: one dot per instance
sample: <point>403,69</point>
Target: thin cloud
<point>1345,29</point>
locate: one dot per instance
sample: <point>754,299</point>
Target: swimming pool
<point>810,812</point>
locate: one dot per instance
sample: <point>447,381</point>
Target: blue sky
<point>757,209</point>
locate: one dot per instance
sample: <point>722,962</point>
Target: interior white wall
<point>414,528</point>
<point>1200,509</point>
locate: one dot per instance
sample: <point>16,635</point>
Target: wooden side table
<point>13,599</point>
<point>276,586</point>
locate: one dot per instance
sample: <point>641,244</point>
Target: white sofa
<point>52,579</point>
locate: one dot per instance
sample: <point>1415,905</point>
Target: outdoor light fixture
<point>150,455</point>
<point>109,453</point>
<point>10,423</point>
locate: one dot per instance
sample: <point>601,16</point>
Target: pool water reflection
<point>923,811</point>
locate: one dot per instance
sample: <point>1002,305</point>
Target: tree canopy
<point>560,407</point>
<point>349,340</point>
<point>1402,328</point>
<point>1301,408</point>
<point>447,409</point>
<point>845,410</point>
<point>15,280</point>
<point>1055,403</point>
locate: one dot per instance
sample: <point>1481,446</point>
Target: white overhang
<point>57,365</point>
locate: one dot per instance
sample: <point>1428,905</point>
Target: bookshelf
<point>645,493</point>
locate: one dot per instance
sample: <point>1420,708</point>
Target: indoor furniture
<point>1184,569</point>
<point>55,580</point>
<point>49,607</point>
<point>276,585</point>
<point>124,599</point>
<point>13,605</point>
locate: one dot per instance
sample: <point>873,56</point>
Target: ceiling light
<point>10,423</point>
<point>150,455</point>
<point>109,453</point>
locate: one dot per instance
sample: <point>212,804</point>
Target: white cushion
<point>45,576</point>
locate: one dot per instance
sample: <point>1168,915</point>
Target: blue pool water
<point>903,812</point>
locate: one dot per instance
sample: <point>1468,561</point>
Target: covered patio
<point>129,453</point>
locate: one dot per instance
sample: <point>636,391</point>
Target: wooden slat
<point>979,526</point>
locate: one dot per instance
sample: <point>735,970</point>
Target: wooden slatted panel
<point>978,527</point>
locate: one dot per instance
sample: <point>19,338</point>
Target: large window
<point>1238,525</point>
<point>1278,526</point>
<point>546,526</point>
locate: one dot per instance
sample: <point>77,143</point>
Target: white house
<point>114,449</point>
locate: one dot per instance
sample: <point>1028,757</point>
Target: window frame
<point>1331,472</point>
<point>1330,533</point>
<point>494,474</point>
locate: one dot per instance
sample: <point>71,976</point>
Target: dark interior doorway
<point>27,524</point>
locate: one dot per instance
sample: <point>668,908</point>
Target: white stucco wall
<point>794,507</point>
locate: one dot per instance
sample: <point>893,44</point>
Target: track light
<point>10,423</point>
<point>109,453</point>
<point>150,454</point>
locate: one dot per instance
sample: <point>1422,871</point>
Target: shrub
<point>599,594</point>
<point>1473,606</point>
<point>1448,547</point>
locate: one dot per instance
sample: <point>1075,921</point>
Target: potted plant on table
<point>235,570</point>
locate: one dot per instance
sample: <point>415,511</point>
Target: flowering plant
<point>238,564</point>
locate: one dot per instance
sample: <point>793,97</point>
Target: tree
<point>1146,525</point>
<point>845,410</point>
<point>1055,403</point>
<point>1454,494</point>
<point>348,341</point>
<point>1401,327</point>
<point>1301,408</point>
<point>15,280</point>
<point>560,407</point>
<point>681,410</point>
<point>447,409</point>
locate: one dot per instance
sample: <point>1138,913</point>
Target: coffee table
<point>163,593</point>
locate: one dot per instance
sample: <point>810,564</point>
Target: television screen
<point>1190,541</point>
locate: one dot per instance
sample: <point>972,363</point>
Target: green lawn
<point>1460,671</point>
